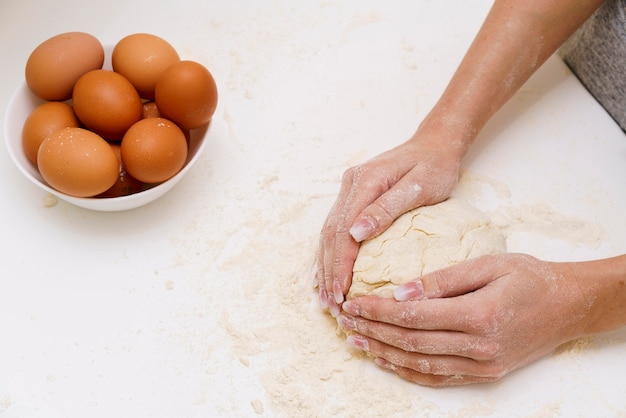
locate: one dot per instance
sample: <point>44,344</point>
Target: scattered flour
<point>575,347</point>
<point>257,405</point>
<point>316,362</point>
<point>274,334</point>
<point>49,200</point>
<point>533,228</point>
<point>5,403</point>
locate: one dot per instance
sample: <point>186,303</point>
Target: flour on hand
<point>420,241</point>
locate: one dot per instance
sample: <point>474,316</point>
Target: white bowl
<point>24,101</point>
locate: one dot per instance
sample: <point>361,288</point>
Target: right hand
<point>478,320</point>
<point>421,171</point>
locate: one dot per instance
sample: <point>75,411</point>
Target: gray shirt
<point>596,53</point>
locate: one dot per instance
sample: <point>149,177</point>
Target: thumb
<point>459,279</point>
<point>380,214</point>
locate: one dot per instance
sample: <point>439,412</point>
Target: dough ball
<point>425,239</point>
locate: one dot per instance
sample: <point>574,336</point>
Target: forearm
<point>515,39</point>
<point>603,292</point>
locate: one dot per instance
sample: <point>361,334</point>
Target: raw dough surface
<point>423,240</point>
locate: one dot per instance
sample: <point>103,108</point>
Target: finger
<point>339,247</point>
<point>431,342</point>
<point>320,273</point>
<point>326,244</point>
<point>318,281</point>
<point>333,233</point>
<point>457,280</point>
<point>375,218</point>
<point>426,379</point>
<point>345,253</point>
<point>440,365</point>
<point>408,192</point>
<point>326,298</point>
<point>449,314</point>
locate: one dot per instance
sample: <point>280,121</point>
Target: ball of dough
<point>420,241</point>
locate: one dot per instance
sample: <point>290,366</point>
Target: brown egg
<point>77,162</point>
<point>125,184</point>
<point>154,150</point>
<point>141,58</point>
<point>150,110</point>
<point>106,103</point>
<point>186,93</point>
<point>54,66</point>
<point>45,119</point>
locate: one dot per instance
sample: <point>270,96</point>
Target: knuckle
<point>349,175</point>
<point>327,230</point>
<point>380,214</point>
<point>423,366</point>
<point>409,344</point>
<point>495,370</point>
<point>411,318</point>
<point>488,350</point>
<point>353,176</point>
<point>328,278</point>
<point>440,281</point>
<point>485,320</point>
<point>365,176</point>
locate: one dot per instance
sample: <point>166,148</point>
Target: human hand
<point>421,171</point>
<point>473,322</point>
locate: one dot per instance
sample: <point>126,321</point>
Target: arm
<point>515,39</point>
<point>602,282</point>
<point>479,320</point>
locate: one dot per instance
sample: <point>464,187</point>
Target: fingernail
<point>333,308</point>
<point>351,308</point>
<point>323,298</point>
<point>346,322</point>
<point>337,293</point>
<point>359,342</point>
<point>384,363</point>
<point>362,229</point>
<point>408,291</point>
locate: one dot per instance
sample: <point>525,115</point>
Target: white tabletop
<point>201,303</point>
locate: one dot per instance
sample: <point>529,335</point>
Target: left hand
<point>422,170</point>
<point>473,322</point>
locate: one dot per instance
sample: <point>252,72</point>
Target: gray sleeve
<point>596,54</point>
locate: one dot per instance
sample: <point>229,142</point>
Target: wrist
<point>448,138</point>
<point>450,128</point>
<point>603,294</point>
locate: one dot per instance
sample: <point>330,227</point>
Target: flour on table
<point>423,240</point>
